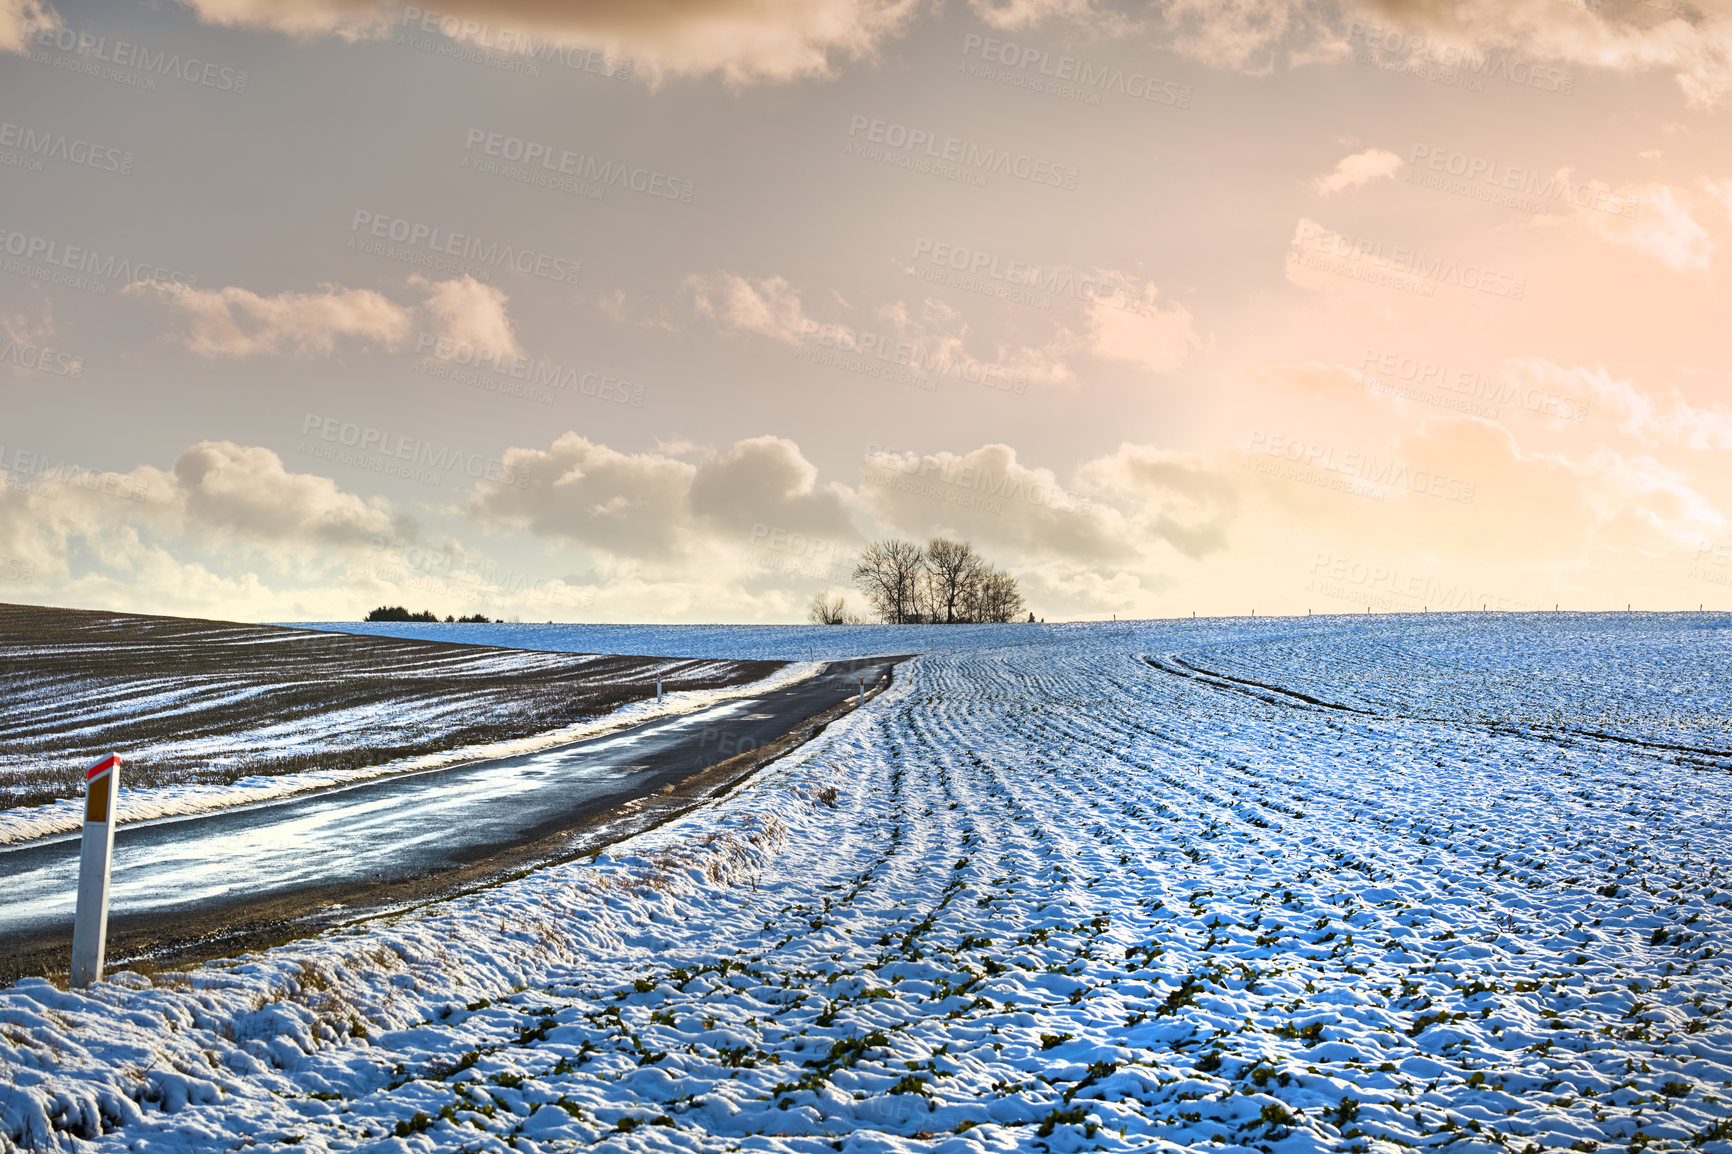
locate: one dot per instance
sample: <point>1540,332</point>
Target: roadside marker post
<point>90,923</point>
<point>658,691</point>
<point>862,693</point>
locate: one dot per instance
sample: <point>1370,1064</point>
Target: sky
<point>660,312</point>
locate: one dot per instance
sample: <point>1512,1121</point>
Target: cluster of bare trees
<point>944,583</point>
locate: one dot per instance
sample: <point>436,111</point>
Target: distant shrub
<point>398,613</point>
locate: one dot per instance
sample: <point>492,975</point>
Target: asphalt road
<point>208,877</point>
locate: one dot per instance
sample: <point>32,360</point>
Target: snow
<point>1036,895</point>
<point>1615,673</point>
<point>742,642</point>
<point>189,703</point>
<point>134,804</point>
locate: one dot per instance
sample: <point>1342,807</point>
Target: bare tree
<point>890,574</point>
<point>996,598</point>
<point>951,568</point>
<point>945,583</point>
<point>830,611</point>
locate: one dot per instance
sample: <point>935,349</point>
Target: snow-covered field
<point>211,713</point>
<point>746,642</point>
<point>1043,894</point>
<point>144,803</point>
<point>1656,677</point>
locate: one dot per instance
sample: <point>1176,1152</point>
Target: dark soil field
<point>194,701</point>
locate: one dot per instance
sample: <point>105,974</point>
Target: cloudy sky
<point>658,312</point>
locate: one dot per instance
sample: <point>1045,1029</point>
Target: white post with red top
<point>90,924</point>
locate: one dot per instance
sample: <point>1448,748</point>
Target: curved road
<point>179,880</point>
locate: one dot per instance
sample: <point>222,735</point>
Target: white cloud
<point>766,480</point>
<point>658,507</point>
<point>1636,412</point>
<point>1693,42</point>
<point>246,491</point>
<point>768,306</point>
<point>747,41</point>
<point>936,337</point>
<point>237,322</point>
<point>1245,35</point>
<point>988,496</point>
<point>23,329</point>
<point>21,20</point>
<point>930,335</point>
<point>1359,168</point>
<point>741,40</point>
<point>348,19</point>
<point>671,533</point>
<point>1661,225</point>
<point>681,518</point>
<point>216,490</point>
<point>1174,497</point>
<point>227,529</point>
<point>1644,505</point>
<point>627,504</point>
<point>469,313</point>
<point>30,346</point>
<point>1721,191</point>
<point>1014,15</point>
<point>1138,331</point>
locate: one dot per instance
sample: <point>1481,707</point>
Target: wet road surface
<point>225,865</point>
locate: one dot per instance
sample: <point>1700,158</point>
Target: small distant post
<point>658,690</point>
<point>862,693</point>
<point>90,923</point>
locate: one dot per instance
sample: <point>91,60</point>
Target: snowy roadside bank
<point>197,702</point>
<point>63,817</point>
